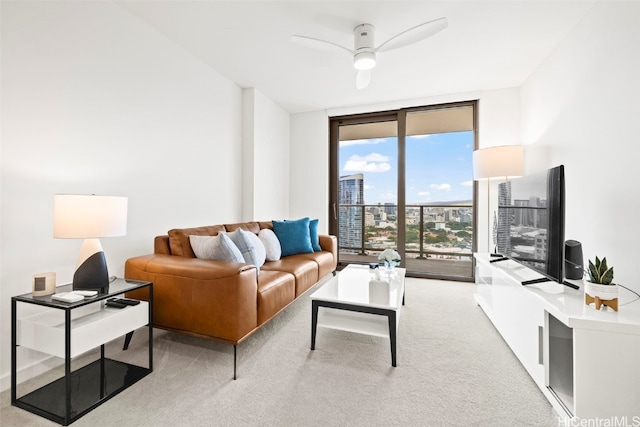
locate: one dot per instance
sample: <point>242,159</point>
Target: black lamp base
<point>92,274</point>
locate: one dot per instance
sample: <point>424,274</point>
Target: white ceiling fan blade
<point>318,44</point>
<point>414,34</point>
<point>363,77</point>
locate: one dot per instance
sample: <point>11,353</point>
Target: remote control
<point>128,301</point>
<point>115,304</point>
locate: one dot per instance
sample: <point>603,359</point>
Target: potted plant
<point>390,257</point>
<point>600,288</point>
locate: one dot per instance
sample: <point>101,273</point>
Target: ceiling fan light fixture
<point>365,60</point>
<point>364,47</point>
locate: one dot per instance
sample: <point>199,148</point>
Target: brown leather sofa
<point>218,299</point>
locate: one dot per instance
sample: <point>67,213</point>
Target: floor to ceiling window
<point>403,180</point>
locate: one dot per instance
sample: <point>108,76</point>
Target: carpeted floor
<point>453,369</point>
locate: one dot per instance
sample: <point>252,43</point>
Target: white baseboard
<point>32,370</point>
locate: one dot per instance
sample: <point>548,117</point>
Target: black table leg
<point>14,340</point>
<point>314,323</point>
<point>67,367</point>
<point>127,340</point>
<point>392,336</point>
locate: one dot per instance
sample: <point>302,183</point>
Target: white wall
<point>309,167</point>
<point>96,101</point>
<point>580,109</point>
<point>266,158</point>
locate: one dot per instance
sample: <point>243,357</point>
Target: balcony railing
<point>441,232</point>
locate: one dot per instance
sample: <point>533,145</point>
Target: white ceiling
<point>487,45</point>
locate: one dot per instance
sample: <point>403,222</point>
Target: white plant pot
<point>601,295</point>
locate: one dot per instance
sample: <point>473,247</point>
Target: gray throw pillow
<point>249,245</point>
<point>220,248</point>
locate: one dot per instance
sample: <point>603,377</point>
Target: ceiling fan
<point>364,50</point>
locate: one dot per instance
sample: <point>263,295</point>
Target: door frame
<point>400,116</point>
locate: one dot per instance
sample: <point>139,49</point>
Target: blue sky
<point>438,167</point>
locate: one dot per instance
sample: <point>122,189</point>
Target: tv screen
<point>531,222</point>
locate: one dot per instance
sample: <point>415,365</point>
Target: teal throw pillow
<point>313,234</point>
<point>294,236</point>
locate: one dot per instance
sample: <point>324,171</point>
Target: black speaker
<point>573,261</point>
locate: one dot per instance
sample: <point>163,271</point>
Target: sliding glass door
<point>403,180</point>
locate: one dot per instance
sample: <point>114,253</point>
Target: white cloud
<point>371,141</point>
<point>420,136</point>
<point>424,193</point>
<point>467,183</point>
<point>440,187</point>
<point>373,162</point>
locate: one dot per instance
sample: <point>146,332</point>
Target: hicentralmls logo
<point>601,422</point>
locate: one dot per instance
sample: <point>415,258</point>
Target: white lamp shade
<point>501,161</point>
<point>89,216</point>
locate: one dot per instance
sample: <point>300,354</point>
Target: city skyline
<point>438,167</point>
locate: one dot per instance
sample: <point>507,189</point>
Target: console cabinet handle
<point>540,345</point>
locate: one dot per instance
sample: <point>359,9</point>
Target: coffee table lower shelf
<point>353,321</point>
<point>355,318</point>
<point>91,386</point>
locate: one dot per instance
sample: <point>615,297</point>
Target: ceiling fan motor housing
<point>365,56</point>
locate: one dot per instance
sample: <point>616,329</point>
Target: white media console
<point>586,362</point>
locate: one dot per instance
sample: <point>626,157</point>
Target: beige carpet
<point>453,369</point>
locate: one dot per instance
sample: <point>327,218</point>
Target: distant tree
<point>437,237</point>
<point>463,234</point>
<point>412,235</point>
<point>453,225</point>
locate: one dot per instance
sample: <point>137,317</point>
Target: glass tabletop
<point>116,287</point>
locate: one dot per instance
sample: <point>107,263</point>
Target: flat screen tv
<point>530,227</point>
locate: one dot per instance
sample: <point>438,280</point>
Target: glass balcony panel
<point>438,238</point>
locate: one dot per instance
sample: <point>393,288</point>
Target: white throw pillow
<point>271,244</point>
<point>220,248</point>
<point>251,249</point>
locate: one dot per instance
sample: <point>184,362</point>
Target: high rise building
<point>501,235</point>
<point>350,193</point>
<point>390,208</point>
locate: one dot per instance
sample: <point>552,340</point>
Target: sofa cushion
<point>179,238</point>
<point>313,235</point>
<point>324,260</point>
<point>220,248</point>
<point>276,290</point>
<point>304,269</point>
<point>271,244</point>
<point>251,226</point>
<point>250,246</point>
<point>294,236</point>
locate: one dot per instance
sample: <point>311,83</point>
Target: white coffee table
<point>354,301</point>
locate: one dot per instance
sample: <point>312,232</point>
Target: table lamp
<point>89,217</point>
<point>502,161</point>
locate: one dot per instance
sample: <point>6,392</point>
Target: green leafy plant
<point>600,273</point>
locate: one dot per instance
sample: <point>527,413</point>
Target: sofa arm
<point>329,243</point>
<point>212,298</point>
